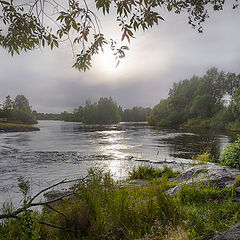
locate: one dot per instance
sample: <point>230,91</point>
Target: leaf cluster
<point>200,102</point>
<point>39,23</point>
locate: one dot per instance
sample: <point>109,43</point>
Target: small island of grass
<point>17,127</point>
<point>16,116</point>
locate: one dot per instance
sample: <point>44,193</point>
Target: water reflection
<point>185,145</point>
<point>67,150</point>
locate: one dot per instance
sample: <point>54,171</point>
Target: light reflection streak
<point>114,146</point>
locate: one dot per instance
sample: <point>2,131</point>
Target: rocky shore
<point>203,175</point>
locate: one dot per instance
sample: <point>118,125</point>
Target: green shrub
<point>202,159</point>
<point>233,126</point>
<point>231,155</point>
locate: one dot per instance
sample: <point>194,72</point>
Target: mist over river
<point>66,150</point>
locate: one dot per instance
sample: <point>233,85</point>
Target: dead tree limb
<point>30,203</point>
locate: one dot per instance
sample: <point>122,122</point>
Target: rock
<point>219,176</point>
<point>232,234</point>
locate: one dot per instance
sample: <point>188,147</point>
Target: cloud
<point>165,54</point>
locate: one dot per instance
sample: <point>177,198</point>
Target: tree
<point>106,111</point>
<point>160,113</point>
<point>202,106</point>
<point>21,102</point>
<point>18,111</point>
<point>232,84</point>
<point>199,101</point>
<point>8,104</point>
<point>27,25</point>
<point>136,114</point>
<point>236,105</point>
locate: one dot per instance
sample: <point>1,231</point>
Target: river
<point>67,150</point>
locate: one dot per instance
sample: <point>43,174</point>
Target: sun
<point>106,63</point>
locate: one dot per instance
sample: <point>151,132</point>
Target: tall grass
<point>149,172</point>
<point>105,209</point>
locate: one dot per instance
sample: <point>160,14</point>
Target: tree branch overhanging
<point>41,23</point>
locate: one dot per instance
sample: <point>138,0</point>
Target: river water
<point>67,150</point>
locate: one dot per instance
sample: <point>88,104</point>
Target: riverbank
<point>161,205</point>
<point>212,124</point>
<point>15,127</point>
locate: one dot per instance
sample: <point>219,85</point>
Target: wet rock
<point>219,176</point>
<point>232,234</point>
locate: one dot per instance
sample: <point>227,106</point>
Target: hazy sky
<point>170,52</point>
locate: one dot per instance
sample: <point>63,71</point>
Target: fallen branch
<point>30,203</point>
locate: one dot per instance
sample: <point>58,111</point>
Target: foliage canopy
<point>17,111</point>
<point>211,101</point>
<point>105,111</point>
<point>25,25</point>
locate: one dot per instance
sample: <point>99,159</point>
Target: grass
<point>105,209</point>
<point>148,172</point>
<point>237,181</point>
<point>202,159</point>
<point>11,125</point>
<point>8,127</point>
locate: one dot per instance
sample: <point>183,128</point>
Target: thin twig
<point>55,210</point>
<point>30,203</point>
<point>59,227</point>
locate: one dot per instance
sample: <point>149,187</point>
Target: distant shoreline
<point>15,127</point>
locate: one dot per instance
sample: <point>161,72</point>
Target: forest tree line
<point>211,101</point>
<point>105,111</point>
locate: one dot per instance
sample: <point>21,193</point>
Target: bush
<point>202,158</point>
<point>233,126</point>
<point>231,155</point>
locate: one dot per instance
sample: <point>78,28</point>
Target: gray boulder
<point>219,176</point>
<point>232,234</point>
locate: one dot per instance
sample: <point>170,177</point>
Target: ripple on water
<point>66,150</point>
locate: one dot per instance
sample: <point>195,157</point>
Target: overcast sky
<point>170,52</point>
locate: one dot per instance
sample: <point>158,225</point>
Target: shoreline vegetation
<point>197,203</point>
<point>105,111</point>
<point>211,102</point>
<point>17,127</point>
<point>16,116</point>
<point>101,208</point>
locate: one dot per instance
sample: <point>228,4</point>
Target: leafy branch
<point>41,23</point>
